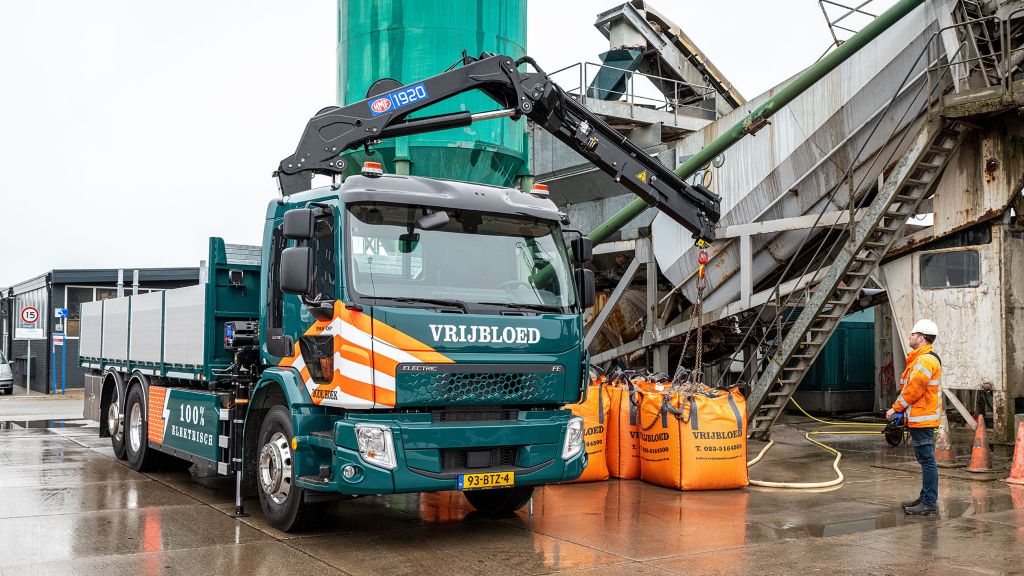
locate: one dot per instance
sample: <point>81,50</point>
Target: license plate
<point>486,480</point>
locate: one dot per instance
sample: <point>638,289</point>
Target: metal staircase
<point>827,302</point>
<point>982,57</point>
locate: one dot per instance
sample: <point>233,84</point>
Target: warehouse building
<point>40,344</point>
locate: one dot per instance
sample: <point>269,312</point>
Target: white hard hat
<point>926,327</point>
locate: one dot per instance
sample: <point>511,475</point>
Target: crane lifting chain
<point>692,382</point>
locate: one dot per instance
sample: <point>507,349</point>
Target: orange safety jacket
<point>921,389</point>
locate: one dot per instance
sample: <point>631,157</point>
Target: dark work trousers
<point>924,450</point>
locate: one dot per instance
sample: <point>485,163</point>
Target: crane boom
<point>384,114</point>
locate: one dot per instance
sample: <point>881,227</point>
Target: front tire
<point>139,455</point>
<point>499,501</point>
<point>283,503</point>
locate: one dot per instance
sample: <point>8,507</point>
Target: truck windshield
<point>474,259</point>
<point>2,359</point>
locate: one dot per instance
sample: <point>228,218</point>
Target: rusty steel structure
<point>793,194</point>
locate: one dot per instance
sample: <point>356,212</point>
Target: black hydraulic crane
<point>384,114</point>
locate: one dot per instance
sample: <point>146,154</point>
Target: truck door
<point>334,345</point>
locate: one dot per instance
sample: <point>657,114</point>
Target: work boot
<point>911,504</point>
<point>920,509</point>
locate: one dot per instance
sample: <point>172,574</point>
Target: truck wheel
<point>115,426</point>
<point>499,501</point>
<point>140,456</point>
<point>283,503</point>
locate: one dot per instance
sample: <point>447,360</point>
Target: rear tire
<point>140,456</point>
<point>499,501</point>
<point>115,425</point>
<point>283,503</point>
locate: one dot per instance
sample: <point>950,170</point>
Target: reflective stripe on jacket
<point>921,389</point>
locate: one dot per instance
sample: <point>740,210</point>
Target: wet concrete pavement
<point>70,508</point>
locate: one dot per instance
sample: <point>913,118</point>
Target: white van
<point>6,376</point>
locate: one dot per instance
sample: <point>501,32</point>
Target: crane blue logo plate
<point>397,99</point>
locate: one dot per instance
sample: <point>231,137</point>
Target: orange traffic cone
<point>945,457</point>
<point>1017,468</point>
<point>981,458</point>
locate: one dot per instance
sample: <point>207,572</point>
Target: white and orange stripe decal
<point>366,355</point>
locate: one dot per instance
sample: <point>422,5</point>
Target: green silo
<point>409,40</point>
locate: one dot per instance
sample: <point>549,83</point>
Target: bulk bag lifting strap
<point>623,432</point>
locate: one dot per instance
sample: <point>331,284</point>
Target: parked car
<point>6,376</point>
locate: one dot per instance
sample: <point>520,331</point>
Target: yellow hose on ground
<point>839,479</point>
<point>829,423</point>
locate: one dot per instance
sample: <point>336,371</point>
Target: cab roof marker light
<point>373,169</point>
<point>540,191</point>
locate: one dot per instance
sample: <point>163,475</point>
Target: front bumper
<point>428,453</point>
<point>7,384</point>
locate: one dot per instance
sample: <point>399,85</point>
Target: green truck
<point>392,334</point>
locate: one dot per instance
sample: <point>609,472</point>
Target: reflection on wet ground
<point>25,424</point>
<point>70,507</point>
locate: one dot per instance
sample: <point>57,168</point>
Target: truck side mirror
<point>582,250</point>
<point>586,290</point>
<point>297,270</point>
<point>298,224</point>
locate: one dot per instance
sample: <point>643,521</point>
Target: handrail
<point>670,104</point>
<point>1008,51</point>
<point>1002,57</point>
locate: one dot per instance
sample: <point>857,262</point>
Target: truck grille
<point>480,387</point>
<point>457,460</point>
<point>474,414</point>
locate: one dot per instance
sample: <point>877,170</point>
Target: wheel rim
<point>135,428</point>
<point>275,468</point>
<point>114,422</point>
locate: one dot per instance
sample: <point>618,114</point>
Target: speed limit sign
<point>29,315</point>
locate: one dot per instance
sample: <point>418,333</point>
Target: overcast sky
<point>133,130</point>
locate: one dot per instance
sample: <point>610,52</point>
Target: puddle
<point>948,510</point>
<point>826,529</point>
<point>41,424</point>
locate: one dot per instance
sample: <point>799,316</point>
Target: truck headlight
<point>376,445</point>
<point>573,438</point>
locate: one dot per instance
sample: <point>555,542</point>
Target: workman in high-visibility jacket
<point>920,402</point>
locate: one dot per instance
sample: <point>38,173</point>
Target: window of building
<point>74,297</point>
<point>106,293</point>
<point>959,269</point>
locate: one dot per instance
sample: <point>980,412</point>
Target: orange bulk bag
<point>595,411</point>
<point>715,443</point>
<point>624,431</point>
<point>694,442</point>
